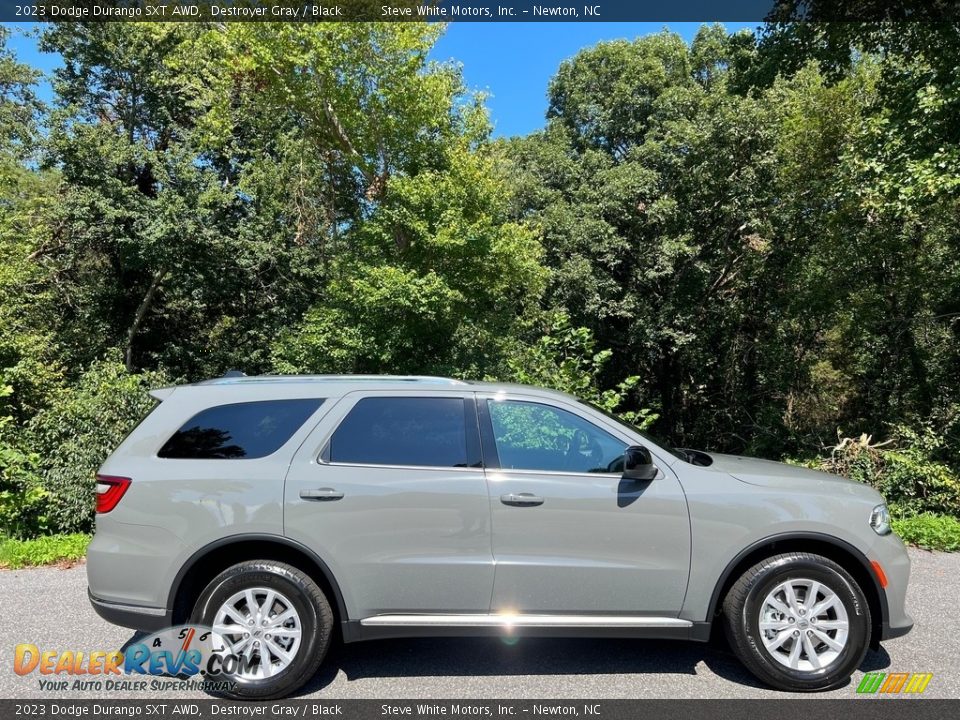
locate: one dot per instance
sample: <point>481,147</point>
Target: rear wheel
<point>798,621</point>
<point>275,619</point>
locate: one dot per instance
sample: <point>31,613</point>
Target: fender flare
<point>793,536</point>
<point>204,551</point>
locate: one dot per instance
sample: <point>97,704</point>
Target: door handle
<point>321,494</point>
<point>521,499</point>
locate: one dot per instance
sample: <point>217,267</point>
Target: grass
<point>42,551</point>
<point>930,531</point>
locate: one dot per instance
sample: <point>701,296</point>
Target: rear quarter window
<point>239,430</point>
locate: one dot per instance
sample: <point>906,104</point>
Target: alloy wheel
<point>261,626</point>
<point>803,625</point>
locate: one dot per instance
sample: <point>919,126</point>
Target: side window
<point>403,431</point>
<point>240,430</point>
<point>532,436</point>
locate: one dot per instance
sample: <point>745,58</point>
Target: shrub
<point>934,532</point>
<point>73,435</point>
<point>906,469</point>
<point>22,496</point>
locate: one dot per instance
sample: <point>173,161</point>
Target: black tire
<point>316,618</point>
<point>743,603</point>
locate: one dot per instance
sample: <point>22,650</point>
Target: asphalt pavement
<point>48,607</point>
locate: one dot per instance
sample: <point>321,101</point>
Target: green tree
<point>422,270</point>
<point>764,234</point>
<point>140,230</point>
<point>652,185</point>
<point>886,254</point>
<point>29,363</point>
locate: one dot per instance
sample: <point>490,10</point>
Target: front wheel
<point>275,618</point>
<point>798,621</point>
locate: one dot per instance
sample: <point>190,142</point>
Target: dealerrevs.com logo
<point>183,657</point>
<point>894,683</point>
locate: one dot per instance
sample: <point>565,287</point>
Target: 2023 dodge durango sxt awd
<point>275,508</point>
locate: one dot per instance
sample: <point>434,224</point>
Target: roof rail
<point>235,376</point>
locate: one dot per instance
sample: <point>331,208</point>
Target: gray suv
<point>279,510</point>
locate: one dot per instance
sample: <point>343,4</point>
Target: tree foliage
<point>84,423</point>
<point>773,256</point>
<point>749,242</point>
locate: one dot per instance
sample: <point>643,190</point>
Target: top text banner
<point>476,10</point>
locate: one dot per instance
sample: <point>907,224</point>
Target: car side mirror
<point>638,464</point>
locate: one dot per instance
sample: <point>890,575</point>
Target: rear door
<point>389,491</point>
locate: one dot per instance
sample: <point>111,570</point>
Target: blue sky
<point>512,62</point>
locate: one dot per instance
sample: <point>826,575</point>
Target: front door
<point>389,491</point>
<point>569,535</point>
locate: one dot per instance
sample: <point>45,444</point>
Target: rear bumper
<point>136,617</point>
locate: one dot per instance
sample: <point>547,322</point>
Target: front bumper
<point>888,632</point>
<point>136,617</point>
<point>892,556</point>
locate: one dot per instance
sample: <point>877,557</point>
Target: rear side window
<point>427,432</point>
<point>240,430</point>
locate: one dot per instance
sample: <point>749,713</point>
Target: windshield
<point>658,441</point>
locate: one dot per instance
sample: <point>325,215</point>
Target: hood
<point>767,473</point>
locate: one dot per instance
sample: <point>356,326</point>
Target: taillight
<point>109,491</point>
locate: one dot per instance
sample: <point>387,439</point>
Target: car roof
<point>341,384</point>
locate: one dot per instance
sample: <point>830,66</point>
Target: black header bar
<point>477,10</point>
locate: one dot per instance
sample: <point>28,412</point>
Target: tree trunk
<point>140,314</point>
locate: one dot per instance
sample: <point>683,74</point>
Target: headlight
<point>880,520</point>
